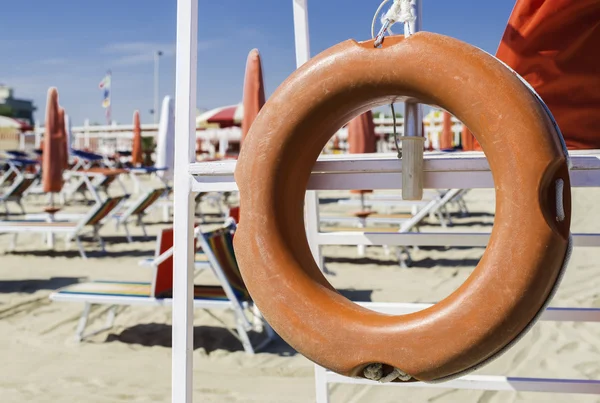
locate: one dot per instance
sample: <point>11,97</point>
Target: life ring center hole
<point>378,273</point>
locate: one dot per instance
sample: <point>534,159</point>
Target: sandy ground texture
<point>132,362</point>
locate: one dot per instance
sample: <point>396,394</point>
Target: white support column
<point>413,140</point>
<point>311,201</point>
<point>183,256</point>
<point>301,33</point>
<point>86,134</point>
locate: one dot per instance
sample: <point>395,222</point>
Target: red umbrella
<point>254,91</point>
<point>361,134</point>
<point>446,137</point>
<point>468,141</point>
<point>362,140</point>
<point>53,157</point>
<point>137,157</point>
<point>553,44</point>
<point>223,117</point>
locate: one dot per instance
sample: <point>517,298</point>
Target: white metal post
<point>86,134</point>
<point>311,201</point>
<point>183,256</point>
<point>157,56</point>
<point>301,33</point>
<point>413,142</point>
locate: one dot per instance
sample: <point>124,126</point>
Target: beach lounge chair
<point>230,295</point>
<point>86,160</point>
<point>16,191</point>
<point>71,229</point>
<point>138,209</point>
<point>435,206</point>
<point>15,167</point>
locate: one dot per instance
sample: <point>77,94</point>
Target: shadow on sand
<point>212,338</point>
<point>209,338</point>
<point>32,286</point>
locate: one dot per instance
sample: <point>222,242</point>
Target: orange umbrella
<point>52,159</point>
<point>63,138</point>
<point>137,157</point>
<point>361,134</point>
<point>362,140</point>
<point>254,91</point>
<point>446,137</point>
<point>468,141</point>
<point>554,44</point>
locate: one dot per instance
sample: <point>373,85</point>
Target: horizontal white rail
<point>490,382</point>
<point>428,238</point>
<point>556,314</point>
<point>464,170</point>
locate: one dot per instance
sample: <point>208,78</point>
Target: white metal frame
<point>442,171</point>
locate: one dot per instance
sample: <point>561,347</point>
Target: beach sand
<point>132,362</point>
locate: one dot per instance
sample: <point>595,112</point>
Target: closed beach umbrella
<point>62,127</point>
<point>137,157</point>
<point>447,135</point>
<point>362,140</point>
<point>468,141</point>
<point>165,143</point>
<point>52,158</point>
<point>361,134</point>
<point>254,91</point>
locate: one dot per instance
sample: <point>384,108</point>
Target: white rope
<point>400,11</point>
<point>383,3</point>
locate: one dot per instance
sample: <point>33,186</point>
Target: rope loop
<point>400,11</point>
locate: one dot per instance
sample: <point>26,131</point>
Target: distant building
<point>21,108</point>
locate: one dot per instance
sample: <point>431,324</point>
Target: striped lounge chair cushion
<point>221,246</point>
<point>103,210</point>
<point>147,201</point>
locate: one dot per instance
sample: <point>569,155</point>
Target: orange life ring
<point>521,266</point>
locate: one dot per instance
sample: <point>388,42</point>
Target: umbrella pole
<point>50,218</point>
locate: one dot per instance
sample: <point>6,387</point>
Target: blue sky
<point>71,43</point>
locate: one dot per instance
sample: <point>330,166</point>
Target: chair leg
<point>110,321</point>
<point>262,326</point>
<point>99,239</point>
<point>404,257</point>
<point>82,322</point>
<point>127,234</point>
<point>80,247</point>
<point>360,249</point>
<point>243,335</point>
<point>21,206</point>
<point>140,222</point>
